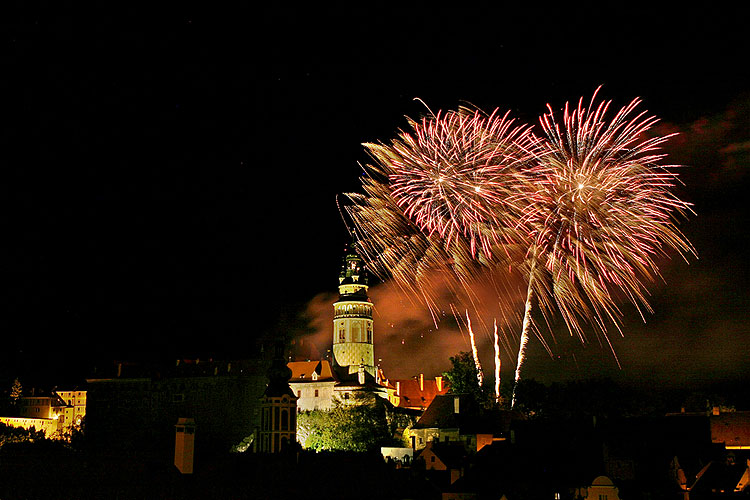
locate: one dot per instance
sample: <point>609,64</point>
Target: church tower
<point>352,318</point>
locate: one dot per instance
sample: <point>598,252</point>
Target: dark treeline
<point>607,398</point>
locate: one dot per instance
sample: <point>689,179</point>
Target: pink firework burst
<point>455,176</point>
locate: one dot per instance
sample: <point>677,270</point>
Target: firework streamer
<point>525,330</point>
<point>497,364</point>
<point>474,353</point>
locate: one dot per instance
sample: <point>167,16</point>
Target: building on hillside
<point>54,414</point>
<point>76,399</point>
<point>49,407</point>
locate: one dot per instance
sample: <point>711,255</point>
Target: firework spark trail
<point>497,363</point>
<point>480,374</point>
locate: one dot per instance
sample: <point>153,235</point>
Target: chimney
<point>421,382</point>
<point>456,404</point>
<point>439,382</point>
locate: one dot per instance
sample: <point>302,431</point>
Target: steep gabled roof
<point>302,371</point>
<point>469,418</point>
<point>453,455</point>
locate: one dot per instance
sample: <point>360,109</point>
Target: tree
<point>462,379</point>
<point>360,426</point>
<point>16,391</point>
<point>11,405</point>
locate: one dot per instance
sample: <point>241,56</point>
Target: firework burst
<point>454,176</point>
<point>588,206</point>
<point>602,213</point>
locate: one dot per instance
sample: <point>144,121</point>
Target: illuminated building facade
<point>76,399</point>
<point>278,407</point>
<point>313,383</point>
<point>55,414</point>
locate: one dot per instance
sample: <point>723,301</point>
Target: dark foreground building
<point>133,408</point>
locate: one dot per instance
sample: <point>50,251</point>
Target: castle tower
<point>352,318</point>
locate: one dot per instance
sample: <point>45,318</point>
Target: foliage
<point>243,445</point>
<point>360,425</point>
<point>462,379</point>
<point>10,434</point>
<point>16,391</point>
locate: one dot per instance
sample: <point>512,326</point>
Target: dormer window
<point>315,376</point>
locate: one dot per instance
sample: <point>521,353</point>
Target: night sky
<point>169,177</point>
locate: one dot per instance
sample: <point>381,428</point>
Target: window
<point>316,393</point>
<point>299,393</point>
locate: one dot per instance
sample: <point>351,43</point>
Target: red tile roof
<point>413,394</point>
<point>732,428</point>
<point>303,370</point>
